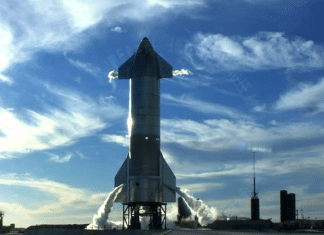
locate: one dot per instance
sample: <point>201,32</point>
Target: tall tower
<point>283,205</point>
<point>287,206</point>
<point>255,206</point>
<point>1,220</point>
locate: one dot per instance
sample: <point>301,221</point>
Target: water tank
<point>183,209</point>
<point>255,208</point>
<point>291,206</point>
<point>283,206</point>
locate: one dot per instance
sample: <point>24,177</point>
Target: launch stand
<point>155,210</point>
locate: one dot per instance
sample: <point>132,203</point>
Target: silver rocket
<point>145,173</point>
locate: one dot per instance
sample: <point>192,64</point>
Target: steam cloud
<point>100,219</point>
<point>205,213</point>
<point>112,75</point>
<point>181,72</point>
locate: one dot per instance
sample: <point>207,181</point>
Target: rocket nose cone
<point>145,46</point>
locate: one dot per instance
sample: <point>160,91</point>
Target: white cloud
<point>216,135</point>
<point>81,155</point>
<point>259,150</point>
<point>29,26</point>
<point>118,139</point>
<point>94,71</point>
<point>5,79</point>
<point>58,159</point>
<point>277,164</point>
<point>78,117</point>
<point>266,50</point>
<point>204,107</point>
<point>117,29</point>
<point>273,122</point>
<point>200,187</point>
<point>64,199</point>
<point>259,108</point>
<point>310,96</point>
<point>175,3</point>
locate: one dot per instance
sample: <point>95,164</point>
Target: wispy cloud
<point>117,29</point>
<point>259,108</point>
<point>64,199</point>
<point>309,96</point>
<point>121,140</point>
<point>278,164</point>
<point>77,116</point>
<point>203,107</point>
<point>56,158</point>
<point>265,50</point>
<point>6,79</point>
<point>81,155</point>
<point>200,187</point>
<point>216,135</point>
<point>29,26</point>
<point>89,68</point>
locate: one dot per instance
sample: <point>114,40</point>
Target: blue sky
<point>257,82</point>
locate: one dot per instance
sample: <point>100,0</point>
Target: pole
<point>254,193</point>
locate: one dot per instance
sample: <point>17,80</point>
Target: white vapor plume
<point>205,213</point>
<point>181,72</point>
<point>112,75</point>
<point>100,219</point>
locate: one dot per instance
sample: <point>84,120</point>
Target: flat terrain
<point>236,232</point>
<point>163,232</point>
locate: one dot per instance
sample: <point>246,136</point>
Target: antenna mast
<point>254,193</point>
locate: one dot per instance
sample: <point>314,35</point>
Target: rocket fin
<point>122,178</point>
<point>165,69</point>
<point>124,71</point>
<point>169,179</point>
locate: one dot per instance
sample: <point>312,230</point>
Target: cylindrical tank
<point>283,206</point>
<point>255,208</point>
<point>291,206</point>
<point>144,127</point>
<point>183,209</point>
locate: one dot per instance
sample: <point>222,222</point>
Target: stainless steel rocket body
<point>144,145</point>
<point>144,105</point>
<point>145,169</point>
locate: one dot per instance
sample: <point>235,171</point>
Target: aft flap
<point>121,178</point>
<point>168,179</point>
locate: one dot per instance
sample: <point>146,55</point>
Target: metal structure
<point>283,205</point>
<point>183,209</point>
<point>133,211</point>
<point>145,173</point>
<point>255,204</point>
<point>1,220</point>
<point>287,206</point>
<point>291,206</point>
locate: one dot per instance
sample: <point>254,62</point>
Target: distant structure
<point>255,207</point>
<point>287,206</point>
<point>1,220</point>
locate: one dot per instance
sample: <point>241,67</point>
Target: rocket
<point>146,175</point>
